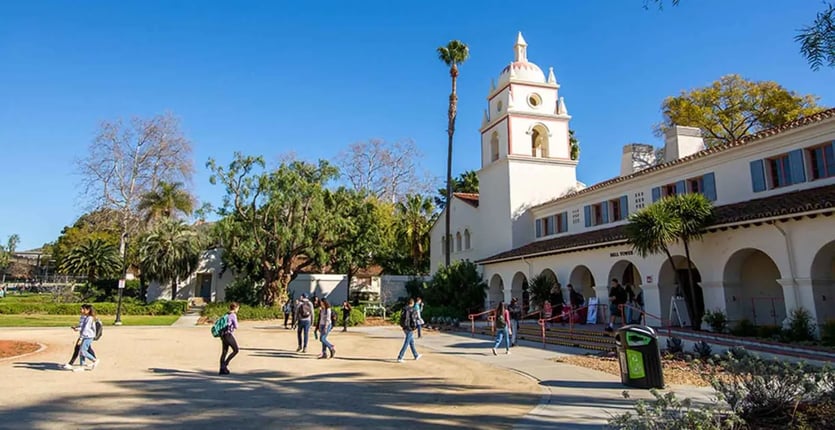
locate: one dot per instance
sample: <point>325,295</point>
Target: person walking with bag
<point>346,315</point>
<point>515,315</point>
<point>502,329</point>
<point>325,325</point>
<point>408,322</point>
<point>86,333</point>
<point>304,318</point>
<point>227,338</point>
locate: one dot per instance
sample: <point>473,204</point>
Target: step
<point>594,343</point>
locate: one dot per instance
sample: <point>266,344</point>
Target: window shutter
<point>709,186</point>
<point>587,214</point>
<point>564,222</point>
<point>681,188</point>
<point>604,212</point>
<point>553,224</point>
<point>829,154</point>
<point>624,207</point>
<point>798,169</point>
<point>539,228</point>
<point>656,194</point>
<point>757,176</point>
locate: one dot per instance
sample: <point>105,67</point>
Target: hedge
<point>161,307</point>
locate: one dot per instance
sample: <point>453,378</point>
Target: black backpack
<point>304,310</point>
<point>99,329</point>
<point>333,317</point>
<point>407,319</point>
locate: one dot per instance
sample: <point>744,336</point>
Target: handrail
<point>490,317</point>
<point>539,312</point>
<point>645,314</point>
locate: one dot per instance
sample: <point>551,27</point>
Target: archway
<point>519,285</point>
<point>668,287</point>
<point>625,272</point>
<point>583,281</point>
<point>495,291</point>
<point>823,282</point>
<point>458,246</point>
<point>539,141</point>
<point>467,239</point>
<point>494,146</point>
<point>751,288</point>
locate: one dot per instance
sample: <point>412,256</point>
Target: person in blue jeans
<point>325,325</point>
<point>303,318</point>
<point>502,329</point>
<point>418,317</point>
<point>87,332</point>
<point>408,322</point>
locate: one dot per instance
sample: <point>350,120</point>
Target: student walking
<point>515,315</point>
<point>325,325</point>
<point>287,309</point>
<point>502,329</point>
<point>227,338</point>
<point>304,317</point>
<point>418,313</point>
<point>346,315</point>
<point>617,298</point>
<point>75,352</point>
<point>86,333</point>
<point>408,323</point>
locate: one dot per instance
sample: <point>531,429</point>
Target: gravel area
<point>676,372</point>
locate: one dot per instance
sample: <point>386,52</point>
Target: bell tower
<point>525,150</point>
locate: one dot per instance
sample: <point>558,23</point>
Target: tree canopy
<point>466,182</point>
<point>169,252</point>
<point>387,171</point>
<point>165,200</point>
<point>733,107</point>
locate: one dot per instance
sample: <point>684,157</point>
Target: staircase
<point>588,337</point>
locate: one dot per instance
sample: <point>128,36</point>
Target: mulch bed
<point>12,348</point>
<point>676,371</point>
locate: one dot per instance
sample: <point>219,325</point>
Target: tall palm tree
<point>165,201</point>
<point>168,253</point>
<point>453,54</point>
<point>694,213</point>
<point>95,258</point>
<point>414,222</point>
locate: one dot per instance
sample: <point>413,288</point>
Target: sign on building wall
<point>621,253</point>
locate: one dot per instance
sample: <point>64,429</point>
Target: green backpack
<point>220,325</point>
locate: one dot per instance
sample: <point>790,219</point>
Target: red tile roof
<point>753,138</point>
<point>471,198</point>
<point>788,204</point>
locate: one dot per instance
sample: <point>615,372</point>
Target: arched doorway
<point>751,288</point>
<point>583,281</point>
<point>823,282</point>
<point>518,286</point>
<point>495,291</point>
<point>668,287</point>
<point>626,273</point>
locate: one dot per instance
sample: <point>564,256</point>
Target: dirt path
<point>166,378</point>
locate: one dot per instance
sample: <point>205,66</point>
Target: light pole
<point>121,282</point>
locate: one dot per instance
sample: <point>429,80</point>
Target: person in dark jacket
<point>617,297</point>
<point>556,300</point>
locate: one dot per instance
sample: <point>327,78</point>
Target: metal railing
<point>663,323</point>
<point>491,317</point>
<point>568,313</point>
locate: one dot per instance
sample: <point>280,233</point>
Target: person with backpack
<point>325,325</point>
<point>408,322</point>
<point>418,313</point>
<point>304,317</point>
<point>515,316</point>
<point>287,309</point>
<point>227,338</point>
<point>502,329</point>
<point>86,333</point>
<point>346,315</point>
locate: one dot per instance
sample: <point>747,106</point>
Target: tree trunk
<point>174,289</point>
<point>350,277</point>
<point>693,306</point>
<point>453,102</point>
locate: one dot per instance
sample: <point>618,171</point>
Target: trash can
<point>639,357</point>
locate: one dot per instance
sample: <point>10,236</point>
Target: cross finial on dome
<point>521,48</point>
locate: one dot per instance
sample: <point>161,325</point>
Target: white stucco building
<point>771,249</point>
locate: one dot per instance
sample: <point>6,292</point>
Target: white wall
<point>210,265</point>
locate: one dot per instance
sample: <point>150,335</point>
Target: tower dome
<point>521,69</point>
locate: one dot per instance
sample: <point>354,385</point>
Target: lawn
<point>39,320</point>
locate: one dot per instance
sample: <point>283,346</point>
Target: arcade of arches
<point>749,284</point>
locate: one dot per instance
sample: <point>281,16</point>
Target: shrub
<point>129,307</point>
<point>675,345</point>
<point>744,328</point>
<point>540,288</point>
<point>243,291</point>
<point>771,332</point>
<point>354,319</point>
<point>667,412</point>
<point>245,312</point>
<point>440,311</point>
<point>394,317</point>
<point>702,350</point>
<point>717,320</point>
<point>458,286</point>
<point>828,333</point>
<point>800,328</point>
<point>415,287</point>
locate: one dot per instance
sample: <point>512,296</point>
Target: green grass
<point>38,320</point>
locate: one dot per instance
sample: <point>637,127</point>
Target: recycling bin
<point>639,357</point>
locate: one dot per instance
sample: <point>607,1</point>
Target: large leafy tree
<point>454,53</point>
<point>6,252</point>
<point>95,258</point>
<point>414,222</point>
<point>733,107</point>
<point>655,228</point>
<point>817,40</point>
<point>275,222</point>
<point>165,201</point>
<point>466,182</point>
<point>100,224</point>
<point>169,252</point>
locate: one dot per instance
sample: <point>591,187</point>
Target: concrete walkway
<point>190,318</point>
<point>574,398</point>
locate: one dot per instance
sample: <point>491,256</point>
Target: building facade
<point>770,250</point>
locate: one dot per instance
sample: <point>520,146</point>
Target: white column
<point>602,293</point>
<point>652,302</point>
<point>798,293</point>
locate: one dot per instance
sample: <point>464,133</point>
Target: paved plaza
<point>166,378</point>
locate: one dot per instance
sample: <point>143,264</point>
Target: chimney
<point>635,157</point>
<point>680,141</point>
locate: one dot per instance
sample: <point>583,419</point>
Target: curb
<point>41,348</point>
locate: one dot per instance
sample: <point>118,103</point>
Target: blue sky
<point>312,77</point>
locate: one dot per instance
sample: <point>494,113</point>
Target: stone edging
<point>41,348</point>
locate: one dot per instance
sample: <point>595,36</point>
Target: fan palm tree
<point>453,54</point>
<point>694,213</point>
<point>414,222</point>
<point>168,253</point>
<point>165,201</point>
<point>95,258</point>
